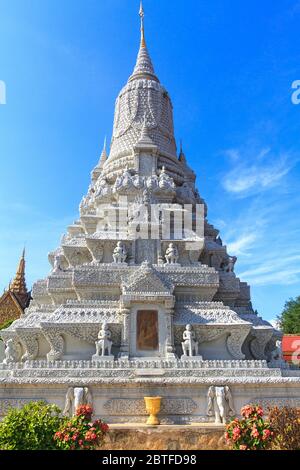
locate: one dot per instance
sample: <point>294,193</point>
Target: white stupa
<point>121,317</point>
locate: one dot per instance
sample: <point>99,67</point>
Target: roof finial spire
<point>142,15</point>
<point>18,285</point>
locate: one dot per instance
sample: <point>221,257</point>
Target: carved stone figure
<point>120,253</point>
<point>228,264</point>
<point>276,354</point>
<point>220,404</point>
<point>104,342</point>
<point>75,397</point>
<point>165,182</point>
<point>57,264</point>
<point>10,352</point>
<point>172,254</point>
<point>231,262</point>
<point>189,344</point>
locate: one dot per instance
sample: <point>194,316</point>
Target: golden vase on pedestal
<point>153,408</point>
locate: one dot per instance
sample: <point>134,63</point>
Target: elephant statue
<point>75,397</point>
<point>220,403</point>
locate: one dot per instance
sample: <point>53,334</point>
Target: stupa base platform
<point>138,436</point>
<point>117,388</point>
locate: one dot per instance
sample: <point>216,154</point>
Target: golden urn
<point>153,408</point>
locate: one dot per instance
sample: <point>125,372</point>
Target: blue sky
<point>228,66</point>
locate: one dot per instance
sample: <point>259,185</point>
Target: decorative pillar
<point>170,346</point>
<point>124,349</point>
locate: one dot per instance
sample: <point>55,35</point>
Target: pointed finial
<point>18,285</point>
<point>103,156</point>
<point>182,158</point>
<point>142,16</point>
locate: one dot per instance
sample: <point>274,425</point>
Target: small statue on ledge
<point>120,253</point>
<point>276,357</point>
<point>228,264</point>
<point>57,267</point>
<point>189,345</point>
<point>11,354</point>
<point>103,343</point>
<point>172,254</point>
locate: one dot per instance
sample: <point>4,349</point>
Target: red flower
<point>91,436</point>
<point>236,433</point>
<point>247,411</point>
<point>255,432</point>
<point>84,410</point>
<point>266,434</point>
<point>104,427</point>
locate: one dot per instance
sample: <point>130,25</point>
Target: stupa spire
<point>143,67</point>
<point>103,156</point>
<point>18,285</point>
<point>142,16</point>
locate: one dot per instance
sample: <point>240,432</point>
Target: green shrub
<point>31,427</point>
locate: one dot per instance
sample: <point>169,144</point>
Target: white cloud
<point>242,244</point>
<point>272,268</point>
<point>256,172</point>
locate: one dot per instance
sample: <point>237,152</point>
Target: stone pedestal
<point>191,358</point>
<point>97,358</point>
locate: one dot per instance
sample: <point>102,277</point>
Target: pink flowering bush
<point>80,432</point>
<point>251,432</point>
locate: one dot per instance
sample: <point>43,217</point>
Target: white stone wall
<point>181,404</point>
<point>1,351</point>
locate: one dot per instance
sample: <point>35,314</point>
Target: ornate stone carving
<point>120,253</point>
<point>220,403</point>
<point>12,351</point>
<point>228,263</point>
<point>75,397</point>
<point>31,346</point>
<point>103,343</point>
<point>260,341</point>
<point>136,406</point>
<point>172,254</point>
<point>58,263</point>
<point>7,403</point>
<point>276,354</point>
<point>56,342</point>
<point>147,279</point>
<point>236,340</point>
<point>189,344</point>
<point>265,403</point>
